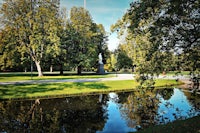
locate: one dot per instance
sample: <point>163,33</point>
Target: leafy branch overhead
<point>164,35</point>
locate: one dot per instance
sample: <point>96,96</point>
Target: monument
<point>100,65</point>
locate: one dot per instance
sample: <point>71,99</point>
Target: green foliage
<point>10,57</point>
<point>35,27</point>
<point>164,35</point>
<point>83,39</point>
<point>40,31</point>
<point>123,60</point>
<point>111,63</point>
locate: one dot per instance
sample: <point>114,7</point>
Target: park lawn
<point>177,72</point>
<point>13,77</point>
<point>22,76</point>
<point>71,88</point>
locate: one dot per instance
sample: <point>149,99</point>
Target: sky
<point>105,12</point>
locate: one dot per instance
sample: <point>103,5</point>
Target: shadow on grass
<point>47,76</point>
<point>40,90</point>
<point>22,91</point>
<point>18,74</point>
<point>93,85</point>
<point>15,74</point>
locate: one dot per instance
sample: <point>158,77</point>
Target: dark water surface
<point>113,112</point>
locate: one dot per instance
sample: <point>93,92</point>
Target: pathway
<point>118,77</point>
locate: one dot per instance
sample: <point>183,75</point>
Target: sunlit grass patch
<point>71,88</point>
<point>12,77</point>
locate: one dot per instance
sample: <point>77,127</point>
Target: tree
<point>159,30</point>
<point>10,56</point>
<point>35,23</point>
<point>101,39</point>
<point>123,60</point>
<point>85,39</point>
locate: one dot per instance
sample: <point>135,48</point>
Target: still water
<point>103,113</point>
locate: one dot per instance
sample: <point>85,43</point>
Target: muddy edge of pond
<point>188,84</point>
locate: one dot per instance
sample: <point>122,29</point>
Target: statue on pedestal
<point>101,65</point>
<point>100,59</point>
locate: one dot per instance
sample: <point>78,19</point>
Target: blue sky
<point>105,12</point>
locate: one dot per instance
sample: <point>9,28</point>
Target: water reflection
<point>75,114</point>
<point>140,109</point>
<point>113,112</point>
<point>177,107</point>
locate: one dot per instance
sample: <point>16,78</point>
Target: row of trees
<point>158,34</point>
<point>40,31</point>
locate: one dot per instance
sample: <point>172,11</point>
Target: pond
<point>113,112</point>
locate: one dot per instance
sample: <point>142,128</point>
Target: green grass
<point>190,125</point>
<point>68,88</point>
<point>165,82</point>
<point>22,76</point>
<point>177,72</point>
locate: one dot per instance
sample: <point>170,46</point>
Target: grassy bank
<point>190,125</point>
<point>69,88</point>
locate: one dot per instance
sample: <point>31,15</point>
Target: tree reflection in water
<point>73,114</point>
<point>140,108</point>
<point>97,113</point>
<point>146,108</point>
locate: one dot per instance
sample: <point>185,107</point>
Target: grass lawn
<point>69,88</point>
<point>22,76</point>
<point>177,72</point>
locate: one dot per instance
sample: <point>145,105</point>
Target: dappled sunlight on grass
<point>164,82</point>
<point>70,88</point>
<point>11,77</point>
<point>39,90</point>
<point>88,85</point>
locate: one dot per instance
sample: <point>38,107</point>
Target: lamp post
<point>84,4</point>
<point>31,69</point>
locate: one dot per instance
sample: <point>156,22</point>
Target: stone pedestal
<point>101,69</point>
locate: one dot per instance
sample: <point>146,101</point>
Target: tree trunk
<point>61,69</point>
<point>51,68</point>
<point>39,68</point>
<point>79,69</point>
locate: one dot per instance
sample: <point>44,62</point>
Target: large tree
<point>10,58</point>
<point>86,39</point>
<point>159,30</point>
<point>34,23</point>
<point>174,26</point>
<point>123,59</point>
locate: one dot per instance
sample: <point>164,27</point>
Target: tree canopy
<point>39,31</point>
<point>160,32</point>
<point>34,27</point>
